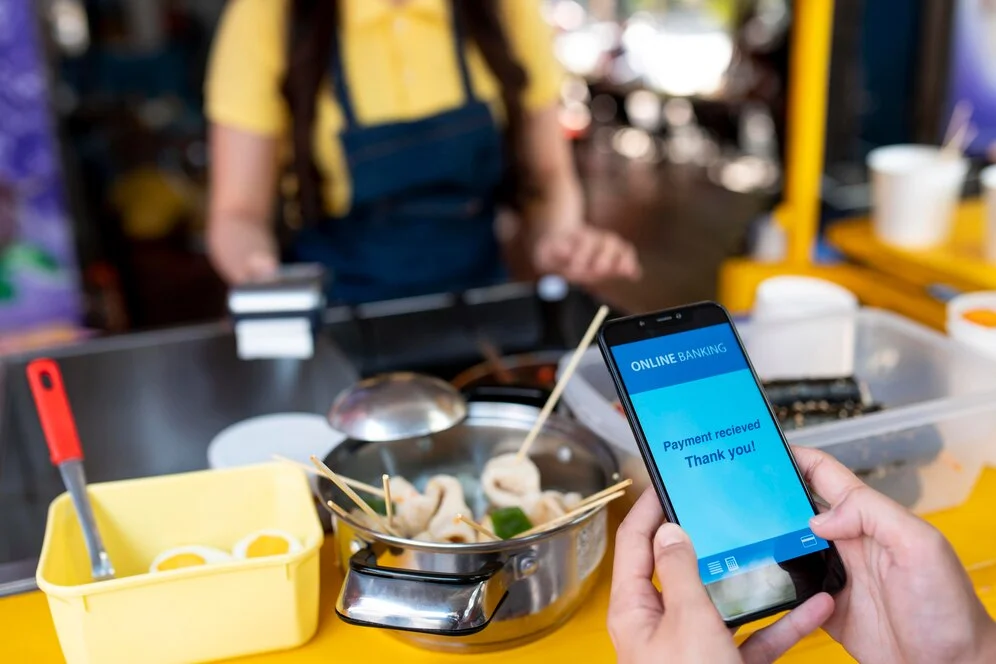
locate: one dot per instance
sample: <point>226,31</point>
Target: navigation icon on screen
<point>715,567</point>
<point>731,564</point>
<point>808,541</point>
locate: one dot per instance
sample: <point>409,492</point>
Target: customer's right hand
<point>907,599</point>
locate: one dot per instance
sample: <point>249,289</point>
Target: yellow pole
<point>809,73</point>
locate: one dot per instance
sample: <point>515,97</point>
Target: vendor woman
<point>408,123</point>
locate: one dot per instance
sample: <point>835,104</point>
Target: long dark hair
<point>312,26</point>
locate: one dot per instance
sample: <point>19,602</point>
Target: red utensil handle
<point>56,417</point>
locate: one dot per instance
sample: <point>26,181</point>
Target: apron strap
<point>338,70</point>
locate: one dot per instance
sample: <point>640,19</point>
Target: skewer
<point>573,514</point>
<point>476,526</point>
<point>618,486</point>
<point>356,484</point>
<point>388,507</point>
<point>958,127</point>
<point>569,370</point>
<point>950,460</point>
<point>362,504</point>
<point>493,357</point>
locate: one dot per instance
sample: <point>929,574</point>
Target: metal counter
<point>150,403</point>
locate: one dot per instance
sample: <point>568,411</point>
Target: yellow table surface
<point>958,263</point>
<point>28,634</point>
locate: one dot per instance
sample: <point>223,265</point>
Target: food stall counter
<point>30,636</point>
<point>959,263</point>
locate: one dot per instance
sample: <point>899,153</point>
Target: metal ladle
<point>396,406</point>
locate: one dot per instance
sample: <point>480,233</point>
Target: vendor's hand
<point>261,266</point>
<point>680,624</point>
<point>586,255</point>
<point>907,598</point>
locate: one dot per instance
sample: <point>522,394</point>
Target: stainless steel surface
<point>75,481</point>
<point>146,404</point>
<point>397,406</point>
<point>550,572</point>
<point>453,604</point>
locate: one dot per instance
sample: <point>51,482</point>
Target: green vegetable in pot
<point>509,522</point>
<point>378,505</point>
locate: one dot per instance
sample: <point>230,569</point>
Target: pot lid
<point>397,406</point>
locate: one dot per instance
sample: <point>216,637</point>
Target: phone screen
<point>723,464</point>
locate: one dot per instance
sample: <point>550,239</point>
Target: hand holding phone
<point>648,626</point>
<point>718,460</point>
<point>910,599</point>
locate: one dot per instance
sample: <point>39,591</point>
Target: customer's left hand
<point>586,255</point>
<point>680,624</point>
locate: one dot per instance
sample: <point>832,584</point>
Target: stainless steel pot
<point>473,597</point>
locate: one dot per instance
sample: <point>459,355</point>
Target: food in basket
<point>263,543</point>
<point>193,555</point>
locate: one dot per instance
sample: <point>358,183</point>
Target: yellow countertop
<point>958,263</point>
<point>28,634</point>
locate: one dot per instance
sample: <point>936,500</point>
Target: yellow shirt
<point>400,65</point>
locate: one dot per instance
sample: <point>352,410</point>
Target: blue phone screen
<point>720,456</point>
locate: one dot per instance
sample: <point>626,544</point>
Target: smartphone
<point>718,459</point>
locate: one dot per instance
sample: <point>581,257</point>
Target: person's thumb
<point>677,569</point>
<point>261,265</point>
<point>865,513</point>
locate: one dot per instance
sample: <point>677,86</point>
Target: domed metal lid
<point>396,406</point>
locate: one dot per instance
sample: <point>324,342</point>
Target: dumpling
<point>412,510</point>
<point>509,481</point>
<point>549,505</point>
<point>443,526</point>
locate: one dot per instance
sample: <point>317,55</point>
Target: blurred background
<point>676,109</point>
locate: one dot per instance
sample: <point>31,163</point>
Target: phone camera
<point>643,323</point>
<point>677,316</point>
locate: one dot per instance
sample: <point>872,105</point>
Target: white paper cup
<point>914,193</point>
<point>804,328</point>
<point>988,179</point>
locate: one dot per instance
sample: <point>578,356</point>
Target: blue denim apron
<point>423,206</point>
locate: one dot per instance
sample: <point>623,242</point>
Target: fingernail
<point>819,519</point>
<point>670,534</point>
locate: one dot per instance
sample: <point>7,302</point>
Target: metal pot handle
<point>428,602</point>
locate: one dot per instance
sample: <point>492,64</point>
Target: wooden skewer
<point>618,486</point>
<point>362,504</point>
<point>356,484</point>
<point>573,514</point>
<point>950,460</point>
<point>387,497</point>
<point>958,127</point>
<point>476,526</point>
<point>341,513</point>
<point>569,370</point>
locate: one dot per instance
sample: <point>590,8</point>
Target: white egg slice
<point>263,543</point>
<point>180,557</point>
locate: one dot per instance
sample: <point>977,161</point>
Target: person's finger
<point>608,258</point>
<point>261,266</point>
<point>551,254</point>
<point>856,510</point>
<point>828,477</point>
<point>678,570</point>
<point>583,254</point>
<point>634,603</point>
<point>630,266</point>
<point>766,645</point>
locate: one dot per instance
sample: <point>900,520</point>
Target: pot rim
<point>498,546</point>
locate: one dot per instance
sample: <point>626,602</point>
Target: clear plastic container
<point>925,449</point>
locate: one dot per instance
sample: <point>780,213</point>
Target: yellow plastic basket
<point>194,614</point>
